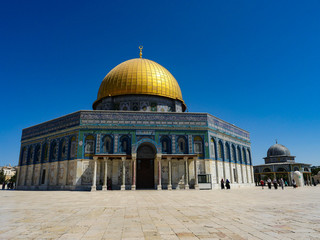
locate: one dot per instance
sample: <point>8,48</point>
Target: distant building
<point>8,171</point>
<point>280,164</point>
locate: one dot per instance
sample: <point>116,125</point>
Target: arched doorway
<point>145,166</point>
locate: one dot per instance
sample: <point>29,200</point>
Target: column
<point>242,179</point>
<point>274,176</point>
<point>289,179</point>
<point>186,185</point>
<point>310,180</point>
<point>230,170</point>
<point>94,180</point>
<point>251,168</point>
<point>134,163</point>
<point>170,174</point>
<point>196,184</point>
<point>159,187</point>
<point>105,178</point>
<point>123,186</point>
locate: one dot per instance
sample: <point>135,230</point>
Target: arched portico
<point>146,154</point>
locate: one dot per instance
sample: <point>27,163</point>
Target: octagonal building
<point>138,136</point>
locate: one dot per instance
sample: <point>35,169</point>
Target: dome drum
<point>146,103</point>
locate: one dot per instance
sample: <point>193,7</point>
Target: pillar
<point>94,180</point>
<point>242,178</point>
<point>186,185</point>
<point>230,169</point>
<point>170,174</point>
<point>159,187</point>
<point>196,184</point>
<point>134,163</point>
<point>289,178</point>
<point>310,182</point>
<point>123,186</point>
<point>105,178</point>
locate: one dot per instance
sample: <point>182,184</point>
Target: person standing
<point>227,184</point>
<point>269,183</point>
<point>282,183</point>
<point>275,184</point>
<point>262,183</point>
<point>222,183</point>
<point>294,183</point>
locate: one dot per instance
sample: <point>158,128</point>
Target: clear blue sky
<point>255,64</point>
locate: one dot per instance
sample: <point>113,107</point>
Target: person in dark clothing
<point>275,184</point>
<point>294,184</point>
<point>222,183</point>
<point>269,183</point>
<point>227,184</point>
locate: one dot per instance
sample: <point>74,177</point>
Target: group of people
<point>281,183</point>
<point>227,184</point>
<point>10,185</point>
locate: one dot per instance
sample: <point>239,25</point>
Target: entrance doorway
<point>145,166</point>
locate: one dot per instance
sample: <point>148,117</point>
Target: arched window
<point>89,144</point>
<point>165,144</point>
<point>266,170</point>
<point>306,169</point>
<point>182,145</point>
<point>53,151</point>
<point>72,147</point>
<point>227,152</point>
<point>295,169</point>
<point>244,156</point>
<point>125,144</point>
<point>107,145</point>
<point>249,157</point>
<point>198,147</point>
<point>220,150</point>
<point>256,170</point>
<point>62,150</point>
<point>234,154</point>
<point>281,170</point>
<point>239,155</point>
<point>45,150</point>
<point>212,148</point>
<point>37,154</point>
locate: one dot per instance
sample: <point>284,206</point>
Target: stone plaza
<point>246,213</point>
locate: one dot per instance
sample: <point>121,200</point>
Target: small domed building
<point>279,163</point>
<point>138,136</point>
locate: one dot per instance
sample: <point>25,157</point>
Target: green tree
<point>2,177</point>
<point>314,171</point>
<point>13,179</point>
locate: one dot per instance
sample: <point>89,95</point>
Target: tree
<point>2,177</point>
<point>314,171</point>
<point>13,179</point>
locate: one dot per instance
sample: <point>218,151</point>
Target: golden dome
<point>139,76</point>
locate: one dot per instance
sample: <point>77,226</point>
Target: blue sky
<point>255,64</point>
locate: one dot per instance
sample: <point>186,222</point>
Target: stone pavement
<point>250,213</point>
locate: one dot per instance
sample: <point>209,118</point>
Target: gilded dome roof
<point>139,76</point>
<point>278,150</point>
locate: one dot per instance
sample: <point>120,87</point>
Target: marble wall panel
<point>53,173</point>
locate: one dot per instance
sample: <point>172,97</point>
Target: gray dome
<point>278,150</point>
